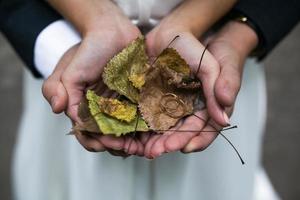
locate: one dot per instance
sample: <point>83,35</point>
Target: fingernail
<point>190,147</point>
<point>53,101</point>
<point>226,118</point>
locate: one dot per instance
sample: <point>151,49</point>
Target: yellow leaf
<point>111,125</point>
<point>124,110</point>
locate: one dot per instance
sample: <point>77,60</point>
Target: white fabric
<point>59,36</point>
<point>50,42</point>
<point>49,165</point>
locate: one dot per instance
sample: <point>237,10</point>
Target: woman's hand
<point>81,69</point>
<point>57,94</point>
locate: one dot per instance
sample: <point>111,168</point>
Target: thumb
<point>55,93</point>
<point>229,81</point>
<point>53,89</point>
<point>75,89</point>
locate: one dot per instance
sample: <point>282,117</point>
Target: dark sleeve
<point>273,18</point>
<point>21,21</point>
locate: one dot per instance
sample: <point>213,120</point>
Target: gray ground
<point>282,141</point>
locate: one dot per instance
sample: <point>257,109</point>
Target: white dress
<point>49,165</point>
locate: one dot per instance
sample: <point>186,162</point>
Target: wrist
<point>174,24</point>
<point>241,37</point>
<point>196,16</point>
<point>102,20</point>
<point>88,16</point>
<point>119,36</point>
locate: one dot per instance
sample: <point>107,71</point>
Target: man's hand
<point>190,49</point>
<point>220,73</point>
<point>230,46</point>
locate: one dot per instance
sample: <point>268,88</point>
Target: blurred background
<point>281,143</point>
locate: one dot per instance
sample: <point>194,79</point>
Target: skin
<point>227,52</point>
<point>81,67</point>
<point>84,64</point>
<point>230,47</point>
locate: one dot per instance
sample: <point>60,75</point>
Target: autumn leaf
<point>125,72</point>
<point>111,124</point>
<point>170,58</point>
<point>165,93</point>
<point>123,111</point>
<point>163,104</point>
<point>180,80</point>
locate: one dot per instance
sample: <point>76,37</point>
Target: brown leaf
<point>179,80</point>
<point>163,104</point>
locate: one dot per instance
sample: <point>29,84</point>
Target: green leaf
<point>111,125</point>
<point>125,72</point>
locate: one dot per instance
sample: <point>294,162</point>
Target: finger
<point>140,149</point>
<point>56,94</point>
<point>75,86</point>
<point>158,148</point>
<point>112,142</point>
<point>89,142</point>
<point>204,139</point>
<point>130,146</point>
<point>190,128</point>
<point>144,137</point>
<point>229,82</point>
<point>153,138</point>
<point>209,72</point>
<point>52,89</point>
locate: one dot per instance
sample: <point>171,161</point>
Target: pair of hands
<point>81,66</point>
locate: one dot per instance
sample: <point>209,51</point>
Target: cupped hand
<point>189,47</point>
<point>80,69</point>
<point>230,47</point>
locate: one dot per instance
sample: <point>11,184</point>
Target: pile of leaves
<point>151,97</point>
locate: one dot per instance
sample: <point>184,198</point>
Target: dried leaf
<point>123,111</point>
<point>181,81</point>
<point>125,72</point>
<point>110,125</point>
<point>171,59</point>
<point>163,104</point>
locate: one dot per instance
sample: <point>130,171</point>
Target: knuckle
<point>47,88</point>
<point>228,89</point>
<point>210,68</point>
